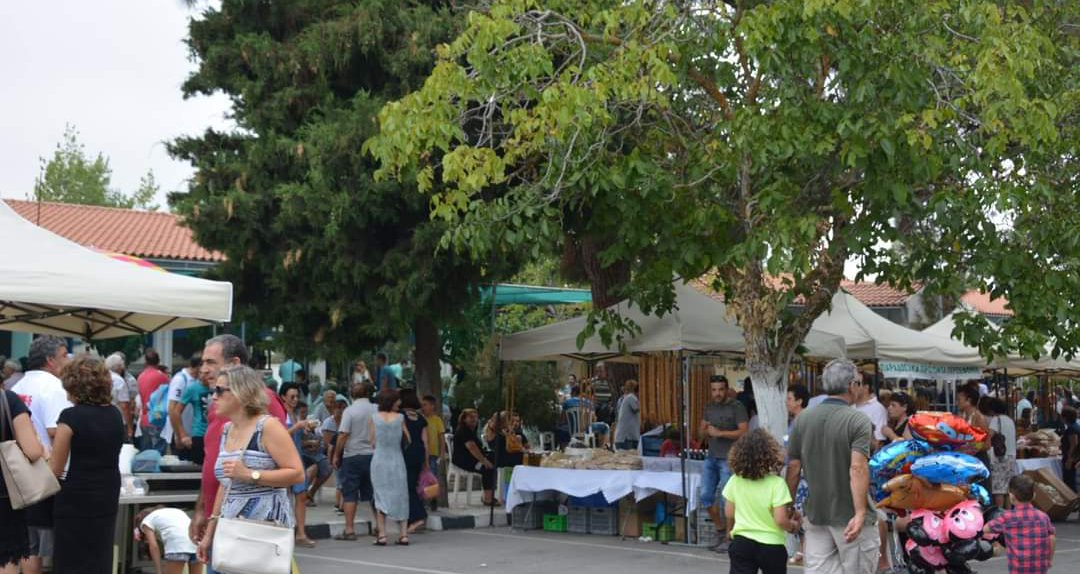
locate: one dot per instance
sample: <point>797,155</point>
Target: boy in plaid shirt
<point>1026,531</point>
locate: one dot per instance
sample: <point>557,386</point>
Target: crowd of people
<point>267,453</point>
<point>823,503</point>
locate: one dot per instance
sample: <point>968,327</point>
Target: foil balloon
<point>958,553</point>
<point>927,527</point>
<point>946,430</point>
<point>964,521</point>
<point>978,492</point>
<point>907,492</point>
<point>950,468</point>
<point>928,557</point>
<point>895,458</point>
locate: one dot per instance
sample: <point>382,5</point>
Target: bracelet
<point>213,517</point>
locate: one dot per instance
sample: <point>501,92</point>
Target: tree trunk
<point>427,355</point>
<point>770,390</point>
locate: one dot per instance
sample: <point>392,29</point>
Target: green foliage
<point>766,139</point>
<point>340,262</point>
<point>72,176</point>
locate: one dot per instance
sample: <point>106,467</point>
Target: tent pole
<point>498,421</point>
<point>684,425</point>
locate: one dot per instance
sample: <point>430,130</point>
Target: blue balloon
<point>954,468</point>
<point>979,493</point>
<point>891,460</point>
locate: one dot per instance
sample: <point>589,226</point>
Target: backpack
<point>157,408</point>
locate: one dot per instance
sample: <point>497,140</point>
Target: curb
<point>435,522</point>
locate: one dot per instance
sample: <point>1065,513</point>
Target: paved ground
<point>502,550</point>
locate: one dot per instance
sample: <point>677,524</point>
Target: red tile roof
<point>147,234</point>
<point>869,294</point>
<point>874,295</point>
<point>982,303</point>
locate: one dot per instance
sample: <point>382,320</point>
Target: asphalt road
<point>502,550</point>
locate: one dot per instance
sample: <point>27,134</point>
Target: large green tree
<point>927,140</point>
<point>340,262</point>
<point>71,175</point>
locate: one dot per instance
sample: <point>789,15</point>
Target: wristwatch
<point>255,476</point>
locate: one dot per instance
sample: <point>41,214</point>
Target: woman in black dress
<point>15,424</point>
<point>468,456</point>
<point>416,459</point>
<point>91,433</point>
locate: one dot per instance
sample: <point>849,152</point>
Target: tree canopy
<point>340,262</point>
<point>765,144</point>
<point>73,176</point>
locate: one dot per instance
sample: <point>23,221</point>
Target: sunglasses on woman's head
<point>219,390</point>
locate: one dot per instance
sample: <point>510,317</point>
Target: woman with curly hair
<point>763,510</point>
<point>90,434</point>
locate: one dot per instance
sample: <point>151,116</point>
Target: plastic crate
<point>526,518</point>
<point>648,530</point>
<point>665,533</point>
<point>604,521</point>
<point>704,528</point>
<point>554,523</point>
<point>577,520</point>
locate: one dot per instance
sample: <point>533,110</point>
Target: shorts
<point>186,557</point>
<point>198,450</point>
<point>319,460</point>
<point>356,478</point>
<point>41,541</point>
<point>714,478</point>
<point>600,429</point>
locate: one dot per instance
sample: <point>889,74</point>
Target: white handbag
<point>252,547</point>
<point>27,482</point>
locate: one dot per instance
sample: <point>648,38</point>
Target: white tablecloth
<point>1026,464</point>
<point>614,484</point>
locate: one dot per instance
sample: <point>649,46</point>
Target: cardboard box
<point>633,514</point>
<point>1052,496</point>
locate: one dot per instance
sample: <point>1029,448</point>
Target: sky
<point>111,68</point>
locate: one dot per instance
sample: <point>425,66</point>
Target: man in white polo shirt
<point>44,394</point>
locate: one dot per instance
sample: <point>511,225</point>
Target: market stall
<point>698,325</point>
<point>59,287</point>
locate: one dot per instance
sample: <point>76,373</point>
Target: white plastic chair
<point>455,476</point>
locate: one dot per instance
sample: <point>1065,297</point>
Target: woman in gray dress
<point>388,477</point>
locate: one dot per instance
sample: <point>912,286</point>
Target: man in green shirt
<point>830,443</point>
<point>197,395</point>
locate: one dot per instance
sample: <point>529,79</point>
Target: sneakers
<point>722,544</point>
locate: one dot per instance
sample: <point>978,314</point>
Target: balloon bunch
<point>933,478</point>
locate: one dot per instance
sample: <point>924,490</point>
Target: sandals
<point>346,536</point>
<point>305,543</point>
<point>380,541</point>
<point>416,526</point>
<point>403,541</point>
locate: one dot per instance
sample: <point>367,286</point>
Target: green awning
<point>510,294</point>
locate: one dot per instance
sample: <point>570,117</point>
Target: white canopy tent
<point>1023,365</point>
<point>697,324</point>
<point>55,286</point>
<point>871,336</point>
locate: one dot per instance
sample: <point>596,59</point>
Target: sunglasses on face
<point>219,391</point>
